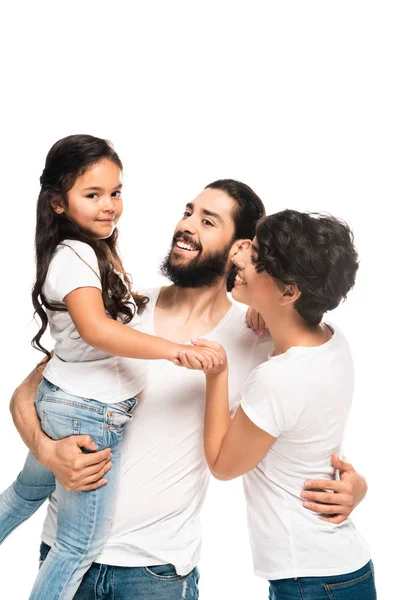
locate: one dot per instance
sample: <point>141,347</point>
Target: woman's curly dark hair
<point>313,251</point>
<point>66,161</point>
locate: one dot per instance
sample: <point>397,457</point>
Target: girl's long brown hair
<point>66,161</point>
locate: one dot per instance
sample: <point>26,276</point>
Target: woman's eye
<point>254,260</point>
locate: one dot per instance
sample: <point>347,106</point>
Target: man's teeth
<point>185,246</point>
<point>239,279</point>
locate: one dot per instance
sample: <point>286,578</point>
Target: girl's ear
<point>57,204</point>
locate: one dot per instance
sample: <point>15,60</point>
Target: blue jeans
<point>83,518</point>
<point>160,582</point>
<point>359,585</point>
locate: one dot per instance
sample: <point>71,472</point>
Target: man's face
<point>202,241</point>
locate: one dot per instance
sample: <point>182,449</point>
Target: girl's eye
<point>207,222</point>
<point>116,194</point>
<point>92,196</point>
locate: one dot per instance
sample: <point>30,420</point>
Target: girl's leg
<point>33,485</point>
<point>84,518</point>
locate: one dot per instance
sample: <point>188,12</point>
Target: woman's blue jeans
<point>83,518</point>
<point>359,585</point>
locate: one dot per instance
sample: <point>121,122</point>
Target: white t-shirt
<point>164,474</point>
<point>76,367</point>
<point>303,398</point>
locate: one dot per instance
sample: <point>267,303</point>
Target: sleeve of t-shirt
<point>268,403</point>
<point>72,267</point>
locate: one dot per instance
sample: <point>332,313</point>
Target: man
<point>164,476</point>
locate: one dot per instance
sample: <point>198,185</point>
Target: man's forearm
<point>24,414</point>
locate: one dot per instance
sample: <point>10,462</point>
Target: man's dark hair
<point>313,251</point>
<point>248,209</point>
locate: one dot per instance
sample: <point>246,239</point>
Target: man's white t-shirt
<point>163,473</point>
<point>77,368</point>
<point>302,398</point>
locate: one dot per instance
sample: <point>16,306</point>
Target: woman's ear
<point>290,294</point>
<point>57,205</point>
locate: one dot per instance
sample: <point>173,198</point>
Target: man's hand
<point>74,469</point>
<point>347,493</point>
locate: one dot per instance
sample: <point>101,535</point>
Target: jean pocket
<point>361,588</point>
<point>57,426</point>
<point>119,414</point>
<point>165,572</point>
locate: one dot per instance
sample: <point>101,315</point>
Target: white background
<point>298,99</point>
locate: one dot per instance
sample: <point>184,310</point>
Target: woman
<point>294,408</point>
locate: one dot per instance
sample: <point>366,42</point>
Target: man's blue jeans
<point>83,518</point>
<point>160,582</point>
<point>359,585</point>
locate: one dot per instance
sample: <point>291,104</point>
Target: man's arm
<point>347,493</point>
<point>71,467</point>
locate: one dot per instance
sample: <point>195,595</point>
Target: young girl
<point>294,408</point>
<point>89,385</point>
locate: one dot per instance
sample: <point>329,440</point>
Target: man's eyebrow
<point>216,216</point>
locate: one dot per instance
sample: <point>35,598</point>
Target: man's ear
<point>290,294</point>
<point>238,246</point>
<point>57,205</point>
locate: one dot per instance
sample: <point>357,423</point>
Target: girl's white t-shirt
<point>76,367</point>
<point>303,399</point>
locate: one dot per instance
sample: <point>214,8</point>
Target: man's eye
<point>207,222</point>
<point>186,213</point>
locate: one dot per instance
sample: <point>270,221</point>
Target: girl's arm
<point>232,446</point>
<point>86,308</point>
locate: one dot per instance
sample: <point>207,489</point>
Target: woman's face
<point>258,290</point>
<point>95,201</point>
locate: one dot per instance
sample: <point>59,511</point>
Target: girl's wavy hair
<point>313,251</point>
<point>69,158</point>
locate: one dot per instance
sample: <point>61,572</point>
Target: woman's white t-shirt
<point>76,367</point>
<point>303,399</point>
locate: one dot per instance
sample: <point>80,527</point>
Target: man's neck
<point>186,313</point>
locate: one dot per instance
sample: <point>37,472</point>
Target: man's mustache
<point>186,238</point>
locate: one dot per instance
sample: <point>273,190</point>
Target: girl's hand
<point>207,345</point>
<point>255,321</point>
<point>201,359</point>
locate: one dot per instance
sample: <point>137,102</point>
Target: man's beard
<point>202,271</point>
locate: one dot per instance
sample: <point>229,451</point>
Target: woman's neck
<point>290,330</point>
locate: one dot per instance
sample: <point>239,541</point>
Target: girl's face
<point>95,201</point>
<point>258,290</point>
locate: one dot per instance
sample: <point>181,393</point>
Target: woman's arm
<point>232,447</point>
<point>86,308</point>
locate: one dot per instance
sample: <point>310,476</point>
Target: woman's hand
<point>208,357</point>
<point>255,321</point>
<point>219,350</point>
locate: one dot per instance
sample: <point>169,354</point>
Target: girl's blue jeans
<point>359,585</point>
<point>83,518</point>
